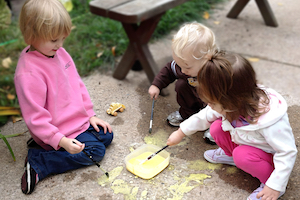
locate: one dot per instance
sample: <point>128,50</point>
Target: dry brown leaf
<point>205,15</point>
<point>113,50</point>
<point>217,22</point>
<point>6,62</point>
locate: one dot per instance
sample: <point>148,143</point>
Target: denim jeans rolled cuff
<point>55,162</point>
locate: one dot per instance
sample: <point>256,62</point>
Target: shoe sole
<point>212,161</point>
<point>29,181</point>
<point>28,177</point>
<point>172,124</point>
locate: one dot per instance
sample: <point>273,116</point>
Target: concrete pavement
<point>275,55</point>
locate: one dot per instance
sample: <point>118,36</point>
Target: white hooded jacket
<point>272,133</point>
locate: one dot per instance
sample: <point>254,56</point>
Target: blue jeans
<point>55,162</point>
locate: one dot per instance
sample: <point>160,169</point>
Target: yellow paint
<point>131,149</point>
<point>181,187</point>
<point>231,170</point>
<point>160,138</point>
<point>147,169</point>
<point>144,194</point>
<point>203,165</point>
<point>171,167</point>
<point>104,181</point>
<point>120,186</point>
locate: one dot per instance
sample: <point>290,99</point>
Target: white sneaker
<point>255,192</point>
<point>174,119</point>
<point>218,156</point>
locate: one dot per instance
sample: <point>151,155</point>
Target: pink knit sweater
<point>53,99</point>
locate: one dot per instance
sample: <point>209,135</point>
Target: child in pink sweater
<point>54,101</point>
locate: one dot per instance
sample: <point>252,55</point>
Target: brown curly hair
<point>230,80</point>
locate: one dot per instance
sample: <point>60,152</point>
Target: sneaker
<point>29,179</point>
<point>255,192</point>
<point>208,138</point>
<point>218,156</point>
<point>174,119</point>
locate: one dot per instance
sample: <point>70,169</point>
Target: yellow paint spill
<point>231,170</point>
<point>160,138</point>
<point>203,165</point>
<point>171,167</point>
<point>131,149</point>
<point>120,186</point>
<point>182,187</point>
<point>104,181</point>
<point>144,194</point>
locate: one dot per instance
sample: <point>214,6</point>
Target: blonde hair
<point>196,38</point>
<point>44,20</point>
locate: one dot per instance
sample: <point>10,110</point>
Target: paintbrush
<point>150,128</point>
<point>152,155</point>
<point>106,173</point>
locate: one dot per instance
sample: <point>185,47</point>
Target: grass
<point>91,41</point>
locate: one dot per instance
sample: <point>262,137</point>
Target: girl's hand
<point>95,121</point>
<point>153,91</point>
<point>175,137</point>
<point>72,146</point>
<point>268,194</point>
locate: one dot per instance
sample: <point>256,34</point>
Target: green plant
<point>3,137</point>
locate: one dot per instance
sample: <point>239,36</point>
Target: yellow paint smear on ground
<point>203,165</point>
<point>120,186</point>
<point>231,170</point>
<point>182,187</point>
<point>104,181</point>
<point>160,138</point>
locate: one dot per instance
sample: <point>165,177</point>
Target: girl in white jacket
<point>248,122</point>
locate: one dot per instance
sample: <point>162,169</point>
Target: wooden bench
<point>264,8</point>
<point>139,19</point>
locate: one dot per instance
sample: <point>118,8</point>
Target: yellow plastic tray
<point>149,168</point>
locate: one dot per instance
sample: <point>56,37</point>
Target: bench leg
<point>267,12</point>
<point>237,8</point>
<point>264,8</point>
<point>139,36</point>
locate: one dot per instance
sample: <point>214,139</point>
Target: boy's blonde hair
<point>195,38</point>
<point>44,20</point>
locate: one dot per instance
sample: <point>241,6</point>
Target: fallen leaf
<point>16,119</point>
<point>67,4</point>
<point>6,62</point>
<point>205,15</point>
<point>10,96</point>
<point>99,54</point>
<point>113,50</point>
<point>217,22</point>
<point>253,59</point>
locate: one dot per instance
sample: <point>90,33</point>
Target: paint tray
<point>149,168</point>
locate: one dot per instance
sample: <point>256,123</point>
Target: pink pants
<point>250,159</point>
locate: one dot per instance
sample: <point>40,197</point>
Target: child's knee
<point>98,152</point>
<point>107,138</point>
<point>216,128</point>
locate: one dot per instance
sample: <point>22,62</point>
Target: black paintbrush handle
<point>151,156</point>
<point>150,128</point>
<point>91,158</point>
